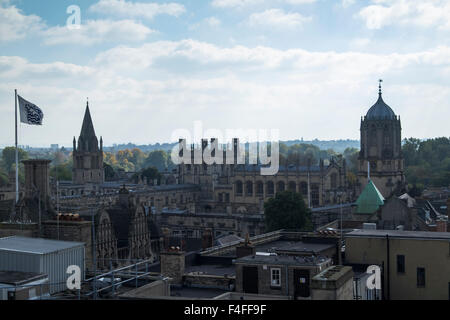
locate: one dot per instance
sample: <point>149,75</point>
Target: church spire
<point>379,87</point>
<point>88,140</point>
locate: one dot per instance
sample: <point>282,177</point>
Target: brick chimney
<point>207,239</point>
<point>441,224</point>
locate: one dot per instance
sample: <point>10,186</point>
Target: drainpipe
<point>287,280</point>
<point>388,269</point>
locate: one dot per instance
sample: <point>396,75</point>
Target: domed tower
<point>88,156</point>
<point>381,149</point>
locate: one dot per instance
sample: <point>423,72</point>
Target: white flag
<point>30,113</point>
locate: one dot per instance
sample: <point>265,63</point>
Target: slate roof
<point>370,199</point>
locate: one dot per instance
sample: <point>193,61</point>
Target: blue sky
<point>308,68</point>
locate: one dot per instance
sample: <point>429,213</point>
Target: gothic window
<point>334,181</point>
<point>373,136</point>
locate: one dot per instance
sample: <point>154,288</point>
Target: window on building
<point>275,277</point>
<point>270,188</point>
<point>421,277</point>
<point>400,263</point>
<point>239,188</point>
<point>249,187</point>
<point>259,188</point>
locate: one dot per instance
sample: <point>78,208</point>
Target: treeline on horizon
<point>427,162</point>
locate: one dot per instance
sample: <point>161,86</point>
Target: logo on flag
<point>30,113</point>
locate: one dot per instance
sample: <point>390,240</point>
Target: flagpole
<point>17,154</point>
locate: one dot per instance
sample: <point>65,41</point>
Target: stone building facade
<point>243,188</point>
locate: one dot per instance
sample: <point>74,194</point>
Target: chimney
<point>441,224</point>
<point>246,249</point>
<point>207,239</point>
<point>173,264</point>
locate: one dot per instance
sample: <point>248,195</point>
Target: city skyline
<point>152,67</point>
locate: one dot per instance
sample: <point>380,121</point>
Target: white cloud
<point>277,18</point>
<point>127,84</point>
<point>422,13</point>
<point>137,9</point>
<point>248,3</point>
<point>14,25</point>
<point>235,3</point>
<point>213,21</point>
<point>97,31</point>
<point>347,3</point>
<point>360,42</point>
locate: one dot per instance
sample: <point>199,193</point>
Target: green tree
<point>151,173</point>
<point>157,159</point>
<point>110,174</point>
<point>9,157</point>
<point>287,211</point>
<point>62,172</point>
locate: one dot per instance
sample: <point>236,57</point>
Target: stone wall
<point>209,281</point>
<point>78,231</point>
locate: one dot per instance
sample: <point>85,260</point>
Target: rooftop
<point>419,235</point>
<point>35,245</point>
<point>19,278</point>
<point>370,199</point>
<point>283,260</point>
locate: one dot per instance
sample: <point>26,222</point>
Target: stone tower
<point>37,178</point>
<point>381,148</point>
<point>88,156</point>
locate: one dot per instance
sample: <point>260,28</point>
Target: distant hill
<point>337,145</point>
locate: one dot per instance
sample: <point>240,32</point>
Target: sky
<point>308,68</point>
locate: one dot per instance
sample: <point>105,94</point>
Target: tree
<point>157,159</point>
<point>151,173</point>
<point>287,211</point>
<point>9,157</point>
<point>62,172</point>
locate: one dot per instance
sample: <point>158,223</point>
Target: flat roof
<point>293,246</point>
<point>283,260</point>
<point>17,278</point>
<point>399,234</point>
<point>212,270</point>
<point>35,245</point>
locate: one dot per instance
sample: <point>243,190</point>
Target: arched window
<point>239,188</point>
<point>270,188</point>
<point>281,186</point>
<point>292,186</point>
<point>304,188</point>
<point>333,181</point>
<point>259,188</point>
<point>249,188</point>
